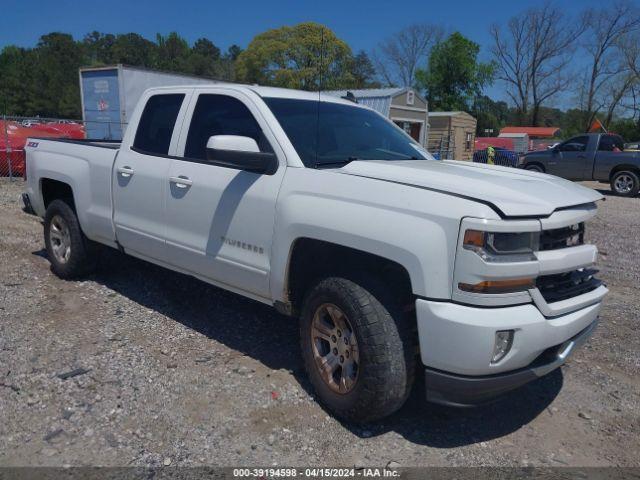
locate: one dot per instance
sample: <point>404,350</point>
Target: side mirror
<point>240,153</point>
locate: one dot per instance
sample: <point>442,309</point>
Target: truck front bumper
<point>461,390</point>
<point>457,342</point>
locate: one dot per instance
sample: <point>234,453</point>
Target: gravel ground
<point>137,365</point>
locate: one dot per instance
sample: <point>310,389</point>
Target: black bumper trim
<point>466,391</point>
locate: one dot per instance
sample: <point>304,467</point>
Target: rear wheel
<point>69,251</point>
<point>625,183</point>
<point>358,349</point>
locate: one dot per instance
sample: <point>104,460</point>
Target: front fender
<point>415,228</point>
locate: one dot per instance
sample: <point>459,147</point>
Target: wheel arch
<point>311,259</point>
<point>53,189</point>
<point>624,167</point>
<point>54,186</point>
<point>535,163</point>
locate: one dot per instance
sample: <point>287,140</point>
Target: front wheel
<point>69,251</point>
<point>625,183</point>
<point>358,349</point>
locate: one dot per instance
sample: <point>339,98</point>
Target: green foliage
<point>491,116</point>
<point>306,56</point>
<point>43,80</point>
<point>627,128</point>
<point>363,72</point>
<point>454,78</point>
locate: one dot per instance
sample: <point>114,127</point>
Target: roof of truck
<point>268,92</point>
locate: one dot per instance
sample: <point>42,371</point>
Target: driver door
<point>219,220</point>
<point>569,159</point>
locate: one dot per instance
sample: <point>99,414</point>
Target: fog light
<point>504,340</point>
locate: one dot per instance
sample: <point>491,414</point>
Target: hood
<point>510,192</point>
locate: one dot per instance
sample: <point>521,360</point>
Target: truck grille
<point>561,286</point>
<point>562,237</point>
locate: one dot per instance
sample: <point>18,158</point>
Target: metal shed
<point>403,106</point>
<point>109,95</point>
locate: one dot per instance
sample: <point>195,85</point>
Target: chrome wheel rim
<point>335,348</point>
<point>624,183</point>
<point>60,239</point>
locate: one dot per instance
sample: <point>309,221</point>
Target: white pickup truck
<point>329,212</point>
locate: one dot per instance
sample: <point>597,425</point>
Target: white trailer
<point>109,95</point>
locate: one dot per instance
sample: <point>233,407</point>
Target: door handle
<point>582,156</point>
<point>181,182</point>
<point>125,171</point>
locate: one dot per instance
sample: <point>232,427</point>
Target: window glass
<point>157,122</point>
<point>609,143</point>
<point>221,115</point>
<point>576,144</point>
<point>329,133</point>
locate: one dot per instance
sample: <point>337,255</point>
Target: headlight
<point>502,246</point>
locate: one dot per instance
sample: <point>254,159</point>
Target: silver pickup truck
<point>590,156</point>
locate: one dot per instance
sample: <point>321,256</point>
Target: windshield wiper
<point>340,163</point>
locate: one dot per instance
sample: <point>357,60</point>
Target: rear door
<point>570,159</point>
<point>140,173</point>
<point>220,220</point>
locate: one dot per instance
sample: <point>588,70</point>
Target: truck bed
<point>87,166</point>
<point>93,142</point>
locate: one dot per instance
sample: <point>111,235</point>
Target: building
<point>533,132</point>
<point>403,106</point>
<point>537,138</point>
<point>452,135</point>
<point>109,95</point>
<point>521,141</point>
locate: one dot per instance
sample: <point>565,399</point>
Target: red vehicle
<point>13,136</point>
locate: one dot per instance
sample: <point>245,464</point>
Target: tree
<point>98,48</point>
<point>55,72</point>
<point>363,71</point>
<point>399,56</point>
<point>133,49</point>
<point>204,59</point>
<point>533,56</point>
<point>491,116</point>
<point>172,53</point>
<point>206,48</point>
<point>454,78</point>
<point>307,56</point>
<point>610,75</point>
<point>627,128</point>
<point>16,82</point>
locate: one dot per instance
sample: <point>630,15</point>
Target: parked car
<point>326,210</point>
<point>590,156</point>
<point>502,156</point>
<point>632,147</point>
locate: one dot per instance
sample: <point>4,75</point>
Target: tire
<point>534,168</point>
<point>386,349</point>
<point>69,251</point>
<point>625,183</point>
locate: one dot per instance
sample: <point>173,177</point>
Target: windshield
<point>327,133</point>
